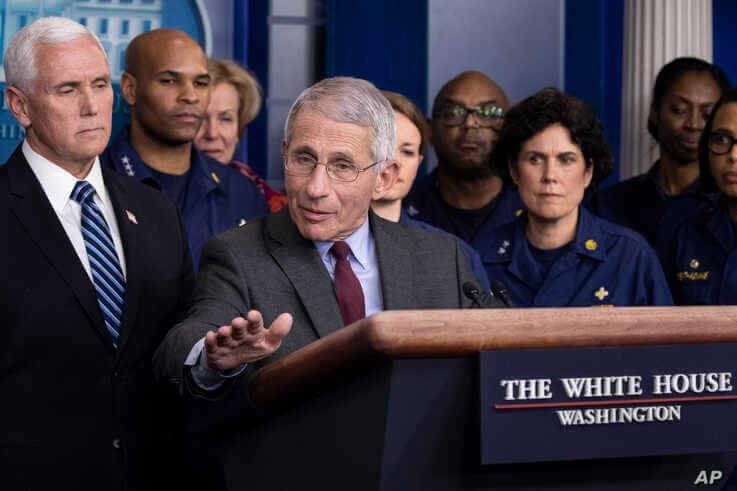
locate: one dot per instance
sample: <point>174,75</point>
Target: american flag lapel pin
<point>131,217</point>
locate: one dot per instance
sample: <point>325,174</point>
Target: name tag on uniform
<point>693,276</point>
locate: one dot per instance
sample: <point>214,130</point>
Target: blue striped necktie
<point>107,274</point>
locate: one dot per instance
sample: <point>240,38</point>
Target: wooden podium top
<point>457,333</point>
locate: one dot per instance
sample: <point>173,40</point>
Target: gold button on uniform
<point>601,293</point>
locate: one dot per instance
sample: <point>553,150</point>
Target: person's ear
<point>128,88</point>
<point>513,172</point>
<point>18,105</point>
<point>588,174</point>
<point>284,147</point>
<point>652,119</point>
<point>385,179</point>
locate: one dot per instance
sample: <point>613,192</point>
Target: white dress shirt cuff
<point>204,376</point>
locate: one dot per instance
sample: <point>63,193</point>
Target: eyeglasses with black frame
<point>720,143</point>
<point>304,164</point>
<point>488,115</point>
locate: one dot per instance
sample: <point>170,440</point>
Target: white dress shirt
<point>57,185</point>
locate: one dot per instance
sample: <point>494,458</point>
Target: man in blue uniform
<point>463,196</point>
<point>168,88</point>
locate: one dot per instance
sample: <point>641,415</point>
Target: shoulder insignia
<point>215,177</point>
<point>127,165</point>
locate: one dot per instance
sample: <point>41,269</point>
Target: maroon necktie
<point>347,287</point>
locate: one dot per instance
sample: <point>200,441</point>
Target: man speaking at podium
<point>278,283</point>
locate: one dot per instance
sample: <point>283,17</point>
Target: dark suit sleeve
<point>220,295</point>
<point>186,274</point>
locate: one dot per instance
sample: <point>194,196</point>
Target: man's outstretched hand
<point>245,340</point>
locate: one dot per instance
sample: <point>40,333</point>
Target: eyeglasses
<point>720,143</point>
<point>303,165</point>
<point>488,116</point>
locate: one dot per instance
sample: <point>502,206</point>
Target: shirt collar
<point>652,176</point>
<point>720,226</point>
<point>589,240</point>
<point>57,183</point>
<point>358,241</point>
<point>128,161</point>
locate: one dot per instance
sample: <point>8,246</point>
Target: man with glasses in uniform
<point>325,261</point>
<point>463,195</point>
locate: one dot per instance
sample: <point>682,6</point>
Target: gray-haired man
<point>320,264</point>
<point>95,269</point>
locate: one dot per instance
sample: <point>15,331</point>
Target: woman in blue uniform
<point>558,254</point>
<point>703,269</point>
<point>655,203</point>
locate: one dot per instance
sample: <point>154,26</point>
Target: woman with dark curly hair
<point>704,263</point>
<point>558,254</point>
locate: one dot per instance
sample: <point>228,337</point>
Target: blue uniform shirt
<point>425,204</point>
<point>474,260</point>
<point>216,198</point>
<point>703,270</point>
<point>605,265</point>
<point>641,204</point>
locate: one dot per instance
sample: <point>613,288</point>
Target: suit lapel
<point>394,255</point>
<point>126,213</point>
<point>30,205</point>
<point>301,263</point>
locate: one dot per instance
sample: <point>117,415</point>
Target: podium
<point>392,403</point>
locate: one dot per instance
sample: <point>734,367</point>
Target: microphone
<point>473,293</point>
<point>499,290</point>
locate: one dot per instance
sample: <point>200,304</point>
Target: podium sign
<point>573,404</point>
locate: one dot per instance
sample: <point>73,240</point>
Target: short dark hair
<point>708,185</point>
<point>548,107</point>
<point>672,72</point>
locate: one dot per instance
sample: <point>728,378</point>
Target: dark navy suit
<point>217,197</point>
<point>606,265</point>
<point>76,413</point>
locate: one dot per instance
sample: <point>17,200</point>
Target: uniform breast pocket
<point>695,292</point>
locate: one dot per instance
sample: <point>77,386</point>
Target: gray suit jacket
<point>268,266</point>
